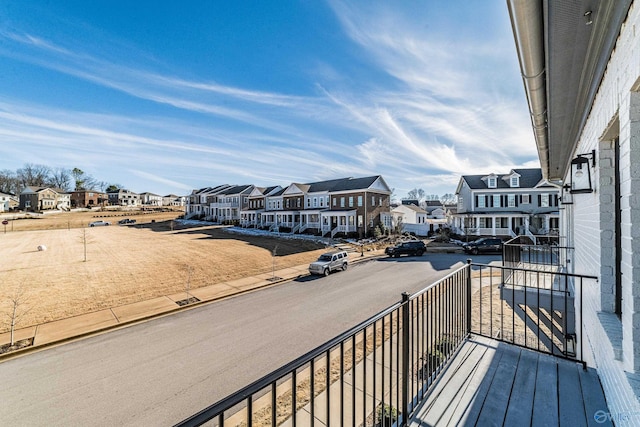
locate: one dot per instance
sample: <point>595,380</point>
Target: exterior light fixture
<point>567,198</point>
<point>581,173</point>
<point>588,20</point>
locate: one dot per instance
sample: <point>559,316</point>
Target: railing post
<point>468,296</point>
<point>405,358</point>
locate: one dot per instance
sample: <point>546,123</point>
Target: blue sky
<point>170,96</point>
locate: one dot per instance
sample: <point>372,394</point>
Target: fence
<point>539,309</point>
<point>376,373</point>
<point>371,375</point>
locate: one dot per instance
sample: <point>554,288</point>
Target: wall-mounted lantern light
<point>566,198</point>
<point>581,173</point>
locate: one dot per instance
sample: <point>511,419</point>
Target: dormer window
<point>492,182</point>
<point>515,182</point>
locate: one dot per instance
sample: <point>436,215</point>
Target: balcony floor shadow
<point>494,383</point>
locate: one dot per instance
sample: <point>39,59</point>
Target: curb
<point>39,347</point>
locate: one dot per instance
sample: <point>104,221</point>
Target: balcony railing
<point>545,255</point>
<point>376,373</point>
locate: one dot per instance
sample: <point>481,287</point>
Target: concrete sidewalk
<point>60,331</point>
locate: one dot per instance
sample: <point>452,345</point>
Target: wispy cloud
<point>448,114</point>
<point>426,109</point>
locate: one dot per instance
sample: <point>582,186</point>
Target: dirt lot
<point>125,264</point>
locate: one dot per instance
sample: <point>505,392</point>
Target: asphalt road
<point>162,371</point>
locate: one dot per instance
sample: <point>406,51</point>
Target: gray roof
<point>529,178</point>
<point>237,189</point>
<point>342,184</point>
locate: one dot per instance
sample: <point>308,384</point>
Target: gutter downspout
<point>527,23</point>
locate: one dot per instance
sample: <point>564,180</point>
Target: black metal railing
<point>537,309</point>
<point>376,373</point>
<point>545,255</point>
<point>372,375</point>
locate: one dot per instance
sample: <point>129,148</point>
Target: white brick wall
<point>613,345</point>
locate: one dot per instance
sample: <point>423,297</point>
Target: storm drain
<point>187,301</point>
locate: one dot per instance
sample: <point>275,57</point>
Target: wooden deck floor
<point>496,384</point>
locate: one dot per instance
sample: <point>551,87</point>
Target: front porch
<point>500,224</point>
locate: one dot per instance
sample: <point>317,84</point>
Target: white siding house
<point>582,65</point>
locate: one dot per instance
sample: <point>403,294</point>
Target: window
<point>360,221</point>
<point>515,181</point>
<point>544,200</point>
<point>327,199</point>
<point>308,203</point>
<point>373,200</point>
<point>298,203</point>
<point>481,201</point>
<point>511,200</point>
<point>496,201</point>
<point>359,200</point>
<point>315,202</point>
<point>492,182</point>
<point>350,201</point>
<point>335,201</point>
<point>321,202</point>
<point>380,202</point>
<point>525,199</point>
<point>342,202</point>
<point>287,203</point>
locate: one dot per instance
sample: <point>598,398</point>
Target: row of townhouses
<point>38,199</point>
<point>345,206</point>
<point>505,205</point>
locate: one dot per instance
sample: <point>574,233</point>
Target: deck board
<point>545,403</point>
<point>571,410</point>
<point>593,400</point>
<point>494,408</point>
<point>493,383</point>
<point>457,377</point>
<point>524,386</point>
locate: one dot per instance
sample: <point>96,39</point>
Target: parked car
<point>486,244</point>
<point>127,221</point>
<point>413,247</point>
<point>330,262</point>
<point>98,223</point>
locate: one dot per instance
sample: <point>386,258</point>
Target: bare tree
<point>273,262</point>
<point>416,193</point>
<point>448,198</point>
<point>9,182</point>
<point>85,239</point>
<point>187,285</point>
<point>34,175</point>
<point>60,178</point>
<point>17,310</point>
